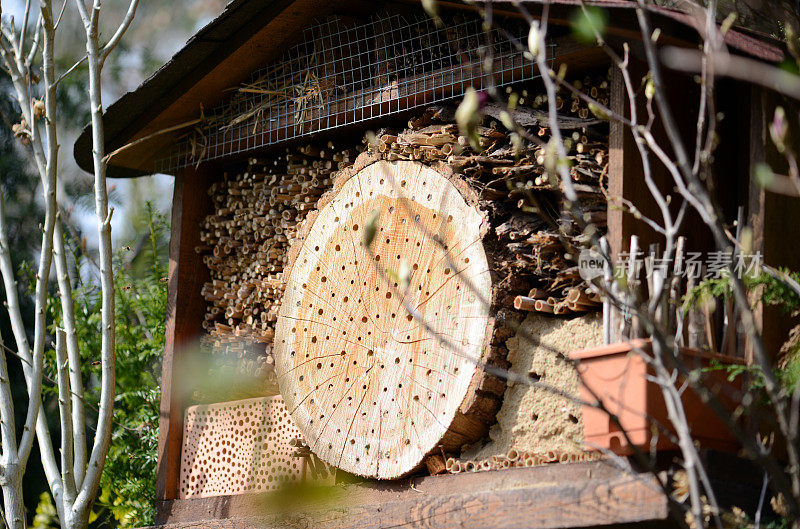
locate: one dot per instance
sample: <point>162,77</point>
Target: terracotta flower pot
<point>618,377</point>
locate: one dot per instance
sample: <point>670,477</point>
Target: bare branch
<point>123,27</point>
<point>8,434</point>
<point>60,14</point>
<point>23,31</point>
<point>70,70</point>
<point>77,411</point>
<point>83,13</point>
<point>35,46</point>
<point>102,438</point>
<point>735,67</point>
<point>65,415</point>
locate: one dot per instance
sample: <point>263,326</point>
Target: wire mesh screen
<point>343,73</point>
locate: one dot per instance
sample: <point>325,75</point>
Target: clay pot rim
<point>623,348</point>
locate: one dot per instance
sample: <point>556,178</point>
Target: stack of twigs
<point>576,300</point>
<point>597,89</point>
<point>691,312</point>
<point>245,245</point>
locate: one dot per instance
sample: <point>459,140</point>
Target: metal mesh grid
<point>341,74</point>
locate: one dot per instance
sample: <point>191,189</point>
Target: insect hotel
<point>352,275</point>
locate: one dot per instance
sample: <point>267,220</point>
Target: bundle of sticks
<point>235,366</point>
<point>595,88</point>
<point>245,245</point>
<point>697,319</point>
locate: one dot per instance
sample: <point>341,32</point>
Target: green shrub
<point>127,487</point>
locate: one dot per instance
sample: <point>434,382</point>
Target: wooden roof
<point>250,33</point>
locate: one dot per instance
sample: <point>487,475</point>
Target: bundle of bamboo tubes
<point>591,86</point>
<point>515,458</point>
<point>245,244</point>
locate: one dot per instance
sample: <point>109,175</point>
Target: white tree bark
<point>73,480</point>
<point>88,488</point>
<point>73,355</point>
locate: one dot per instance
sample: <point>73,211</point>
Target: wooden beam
<point>626,173</point>
<point>185,307</point>
<point>772,216</point>
<point>756,193</point>
<point>618,231</point>
<point>547,497</point>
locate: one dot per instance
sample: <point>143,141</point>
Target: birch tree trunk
<point>73,481</point>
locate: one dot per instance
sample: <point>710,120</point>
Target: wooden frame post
<point>625,174</point>
<point>185,308</point>
<point>770,214</point>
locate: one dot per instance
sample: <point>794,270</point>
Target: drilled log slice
<point>372,388</point>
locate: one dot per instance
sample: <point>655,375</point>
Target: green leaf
<point>763,175</point>
<point>534,39</point>
<point>728,23</point>
<point>588,23</point>
<point>371,227</point>
<point>649,89</point>
<point>404,274</point>
<point>468,116</point>
<point>598,112</point>
<point>507,120</point>
<point>432,8</point>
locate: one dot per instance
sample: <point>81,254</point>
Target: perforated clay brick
<point>238,447</point>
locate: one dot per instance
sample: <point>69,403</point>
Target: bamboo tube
<point>580,307</point>
<point>561,308</point>
<point>435,464</point>
<point>575,295</point>
<point>537,293</point>
<point>524,303</point>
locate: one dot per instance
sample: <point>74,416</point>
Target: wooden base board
<point>560,495</point>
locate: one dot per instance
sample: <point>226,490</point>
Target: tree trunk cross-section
<point>371,388</point>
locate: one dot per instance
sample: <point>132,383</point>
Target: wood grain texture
<point>371,388</point>
<point>756,195</point>
<point>562,495</point>
<point>618,156</point>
